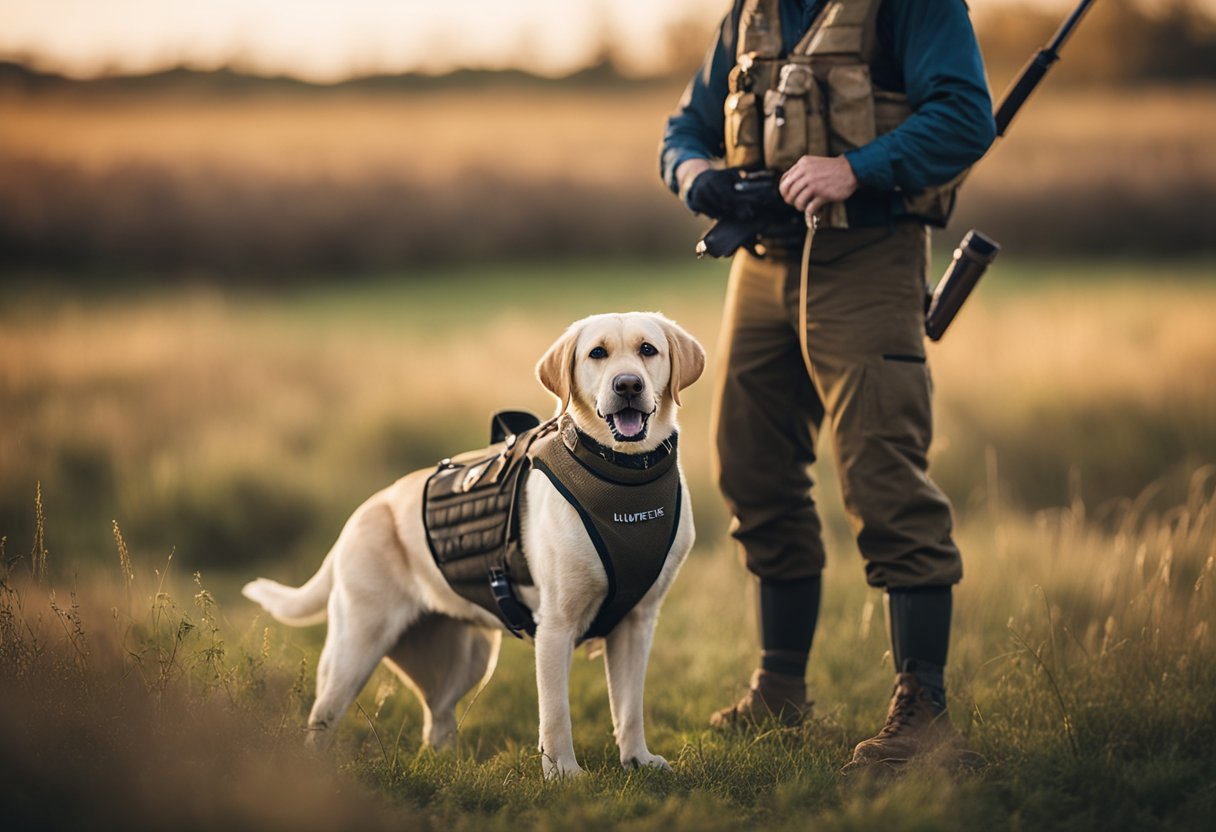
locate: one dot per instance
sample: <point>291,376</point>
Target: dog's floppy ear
<point>687,358</point>
<point>555,369</point>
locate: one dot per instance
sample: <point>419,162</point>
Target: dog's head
<point>620,376</point>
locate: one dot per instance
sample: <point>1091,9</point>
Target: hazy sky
<point>330,39</point>
<point>325,39</point>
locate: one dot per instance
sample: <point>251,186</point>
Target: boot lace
<point>903,709</point>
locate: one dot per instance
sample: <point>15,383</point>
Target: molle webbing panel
<point>463,524</point>
<point>630,513</point>
<point>471,519</point>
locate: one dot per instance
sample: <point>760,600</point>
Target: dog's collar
<point>629,469</point>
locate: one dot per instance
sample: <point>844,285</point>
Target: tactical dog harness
<point>629,505</point>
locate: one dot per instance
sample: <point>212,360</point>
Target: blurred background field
<point>234,303</point>
<point>235,174</point>
<point>242,426</point>
<point>284,183</point>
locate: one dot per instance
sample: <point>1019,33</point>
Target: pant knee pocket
<point>898,391</point>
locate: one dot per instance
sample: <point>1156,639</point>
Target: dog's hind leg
<point>442,658</point>
<point>368,609</point>
<point>358,638</point>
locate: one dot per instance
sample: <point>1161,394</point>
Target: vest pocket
<point>793,118</point>
<point>742,130</point>
<point>784,129</point>
<point>850,107</point>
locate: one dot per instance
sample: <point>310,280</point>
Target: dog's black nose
<point>627,384</point>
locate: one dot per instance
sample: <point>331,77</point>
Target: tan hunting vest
<point>819,99</point>
<point>629,505</point>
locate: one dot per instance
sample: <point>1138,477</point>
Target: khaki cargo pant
<point>866,375</point>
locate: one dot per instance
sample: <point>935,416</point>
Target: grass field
<point>230,433</point>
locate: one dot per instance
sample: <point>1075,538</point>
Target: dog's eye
<point>599,352</point>
<point>648,349</point>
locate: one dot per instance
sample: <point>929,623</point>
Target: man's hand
<point>816,181</point>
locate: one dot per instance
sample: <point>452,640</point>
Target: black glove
<point>713,193</point>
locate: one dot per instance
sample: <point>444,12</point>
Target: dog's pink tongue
<point>629,422</point>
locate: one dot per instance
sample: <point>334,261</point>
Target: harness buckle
<point>515,615</point>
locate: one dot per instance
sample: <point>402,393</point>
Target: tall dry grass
<point>1083,670</point>
<point>131,702</point>
<point>1088,381</point>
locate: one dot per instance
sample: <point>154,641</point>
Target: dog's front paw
<point>645,759</point>
<point>559,769</point>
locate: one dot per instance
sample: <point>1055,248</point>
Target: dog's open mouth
<point>628,425</point>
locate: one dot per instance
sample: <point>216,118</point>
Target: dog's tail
<point>298,607</point>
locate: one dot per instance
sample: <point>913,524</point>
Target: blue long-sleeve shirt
<point>927,50</point>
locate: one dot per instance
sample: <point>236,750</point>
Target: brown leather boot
<point>916,727</point>
<point>770,696</point>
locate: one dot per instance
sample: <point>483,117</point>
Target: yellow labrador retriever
<point>618,378</point>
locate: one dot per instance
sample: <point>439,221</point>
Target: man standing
<point>874,106</point>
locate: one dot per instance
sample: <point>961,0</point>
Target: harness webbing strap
<point>510,609</point>
<point>597,540</point>
<point>631,515</point>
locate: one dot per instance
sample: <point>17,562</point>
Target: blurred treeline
<point>220,174</point>
<point>1126,41</point>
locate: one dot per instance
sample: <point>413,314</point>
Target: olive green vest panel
<point>470,510</point>
<point>819,100</point>
<point>630,508</point>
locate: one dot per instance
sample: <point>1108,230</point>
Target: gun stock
<point>971,259</point>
